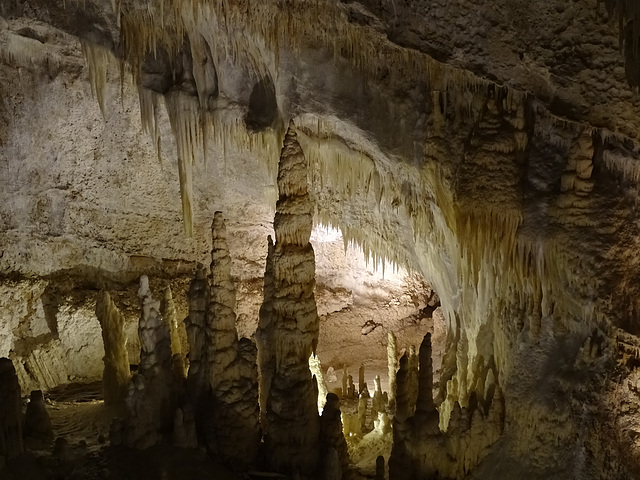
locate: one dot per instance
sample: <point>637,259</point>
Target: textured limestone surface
<point>491,147</point>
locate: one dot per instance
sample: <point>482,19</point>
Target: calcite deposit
<point>292,422</point>
<point>116,375</point>
<point>490,149</point>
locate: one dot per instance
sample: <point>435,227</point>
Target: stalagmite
<point>379,468</point>
<point>427,417</point>
<point>151,399</point>
<point>198,298</point>
<point>351,388</point>
<point>400,462</point>
<point>168,312</point>
<point>363,401</point>
<point>265,332</point>
<point>360,379</point>
<point>232,370</point>
<point>345,382</point>
<point>184,428</point>
<point>412,386</point>
<point>116,374</point>
<point>378,402</point>
<point>331,436</point>
<point>292,415</point>
<point>392,362</point>
<point>37,424</point>
<point>316,370</point>
<point>11,443</point>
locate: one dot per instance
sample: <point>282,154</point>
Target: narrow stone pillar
<point>292,414</point>
<point>116,374</point>
<point>392,362</point>
<point>331,435</point>
<point>11,442</point>
<point>168,312</point>
<point>234,434</point>
<point>37,424</point>
<point>198,299</point>
<point>264,335</point>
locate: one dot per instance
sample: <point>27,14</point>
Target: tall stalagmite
<point>198,298</point>
<point>292,428</point>
<point>11,443</point>
<point>264,334</point>
<point>151,400</point>
<point>392,362</point>
<point>231,367</point>
<point>116,374</point>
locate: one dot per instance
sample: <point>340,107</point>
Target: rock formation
<point>168,313</point>
<point>392,362</point>
<point>231,365</point>
<point>378,401</point>
<point>292,427</point>
<point>198,298</point>
<point>332,440</point>
<point>37,424</point>
<point>265,333</point>
<point>11,442</point>
<point>151,399</point>
<point>116,375</point>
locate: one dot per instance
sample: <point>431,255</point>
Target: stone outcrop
<point>292,426</point>
<point>116,375</point>
<point>11,441</point>
<point>234,432</point>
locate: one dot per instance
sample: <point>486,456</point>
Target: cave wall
<point>499,162</point>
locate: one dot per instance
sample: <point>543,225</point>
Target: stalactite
<point>292,416</point>
<point>98,59</point>
<point>116,374</point>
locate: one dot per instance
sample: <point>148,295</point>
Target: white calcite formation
<point>233,432</point>
<point>11,442</point>
<point>292,426</point>
<point>152,396</point>
<point>392,362</point>
<point>116,374</point>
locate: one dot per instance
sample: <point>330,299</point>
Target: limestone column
<point>168,312</point>
<point>427,417</point>
<point>392,362</point>
<point>264,334</point>
<point>11,442</point>
<point>116,374</point>
<point>292,414</point>
<point>151,399</point>
<point>331,436</point>
<point>231,366</point>
<point>198,299</point>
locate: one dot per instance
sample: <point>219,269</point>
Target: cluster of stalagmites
<point>420,448</point>
<point>219,404</point>
<point>216,404</point>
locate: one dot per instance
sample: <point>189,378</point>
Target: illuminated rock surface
<point>491,148</point>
